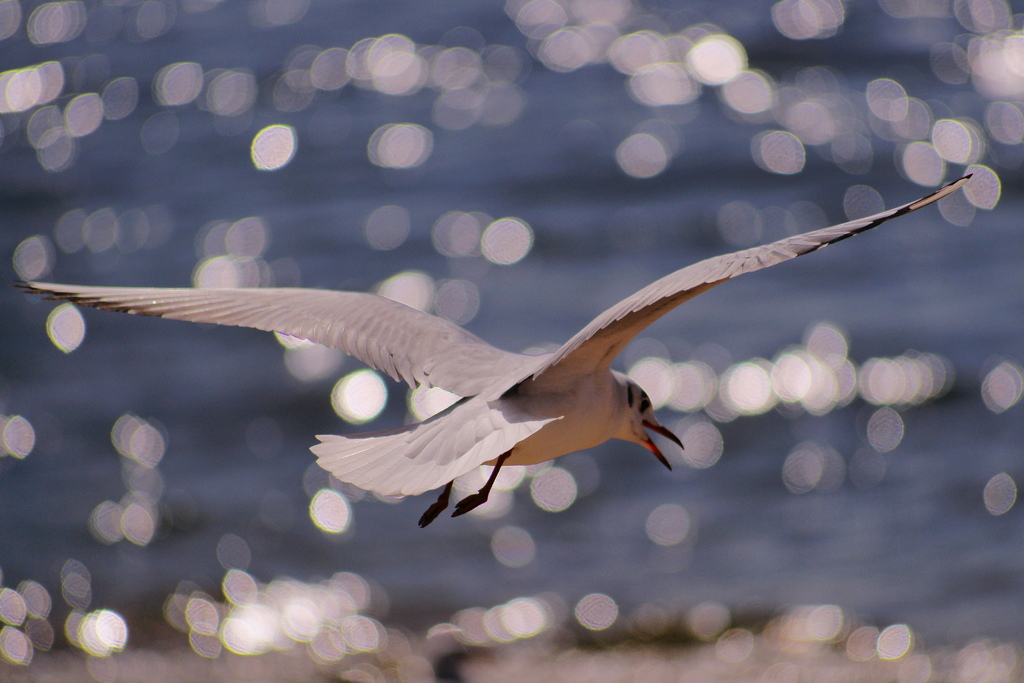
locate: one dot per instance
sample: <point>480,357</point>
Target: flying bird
<point>515,409</point>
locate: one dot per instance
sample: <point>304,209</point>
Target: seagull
<point>515,409</point>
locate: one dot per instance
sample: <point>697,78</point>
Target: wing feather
<point>400,341</point>
<point>598,343</point>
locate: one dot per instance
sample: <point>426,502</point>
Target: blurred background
<point>852,422</point>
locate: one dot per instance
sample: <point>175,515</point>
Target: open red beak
<point>653,448</point>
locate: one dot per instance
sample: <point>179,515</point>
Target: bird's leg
<point>437,508</point>
<point>480,497</point>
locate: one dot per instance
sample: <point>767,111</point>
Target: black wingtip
<point>26,287</point>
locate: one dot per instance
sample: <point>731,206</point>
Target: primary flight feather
<point>516,409</point>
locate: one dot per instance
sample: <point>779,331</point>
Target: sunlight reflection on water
<point>72,103</point>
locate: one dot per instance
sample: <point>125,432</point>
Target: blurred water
<point>532,123</point>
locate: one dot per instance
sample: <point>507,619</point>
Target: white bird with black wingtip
<point>516,409</point>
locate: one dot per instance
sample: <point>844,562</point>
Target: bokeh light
<point>10,18</point>
<point>1005,122</point>
<point>668,524</point>
<point>328,72</point>
<point>424,401</point>
<point>746,388</point>
<point>694,385</point>
<point>739,223</point>
<point>83,115</point>
<point>642,155</point>
<point>1002,386</point>
<point>274,147</point>
<point>139,440</point>
<point>359,397</point>
<point>400,145</point>
<point>138,521</point>
<point>513,547</point>
<point>525,617</point>
<point>15,646</point>
<point>860,201</point>
<point>17,436</point>
<point>160,132</point>
<point>804,19</point>
<point>34,257</point>
<point>596,612</point>
<point>272,13</point>
<point>887,99</point>
<point>662,84</point>
<point>957,142</point>
<point>22,89</point>
<point>812,466</point>
<point>554,489</point>
<point>717,59</point>
<point>37,598</point>
<point>66,112</point>
<point>394,65</point>
<point>506,241</point>
<point>923,164</point>
<point>655,376</point>
<point>702,443</point>
<point>457,301</point>
<point>178,84</point>
<point>708,619</point>
<point>202,615</point>
<point>412,288</point>
<point>910,379</point>
<point>65,327</point>
<point>233,552</point>
<point>894,642</point>
<point>330,511</point>
<point>103,632</point>
<point>231,92</point>
<point>309,362</point>
<point>12,607</point>
<point>735,645</point>
<point>105,523</point>
<point>457,233</point>
<point>387,227</point>
<point>568,49</point>
<point>984,188</point>
<point>750,93</point>
<point>808,624</point>
<point>778,152</point>
<point>56,22</point>
<point>861,645</point>
<point>1000,494</point>
<point>885,430</point>
<point>239,587</point>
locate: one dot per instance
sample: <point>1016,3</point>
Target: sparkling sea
<point>853,426</point>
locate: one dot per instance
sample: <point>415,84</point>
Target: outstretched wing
<point>597,344</point>
<point>403,342</point>
<point>416,458</point>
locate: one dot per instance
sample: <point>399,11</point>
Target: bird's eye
<point>645,403</point>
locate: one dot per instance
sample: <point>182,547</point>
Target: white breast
<point>592,410</point>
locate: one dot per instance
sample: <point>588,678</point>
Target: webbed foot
<point>437,508</point>
<point>471,502</point>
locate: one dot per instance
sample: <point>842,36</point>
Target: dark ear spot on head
<point>630,399</point>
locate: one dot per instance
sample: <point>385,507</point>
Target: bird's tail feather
<point>419,457</point>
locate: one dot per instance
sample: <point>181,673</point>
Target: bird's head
<point>641,418</point>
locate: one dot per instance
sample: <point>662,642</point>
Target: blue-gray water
<point>906,537</point>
